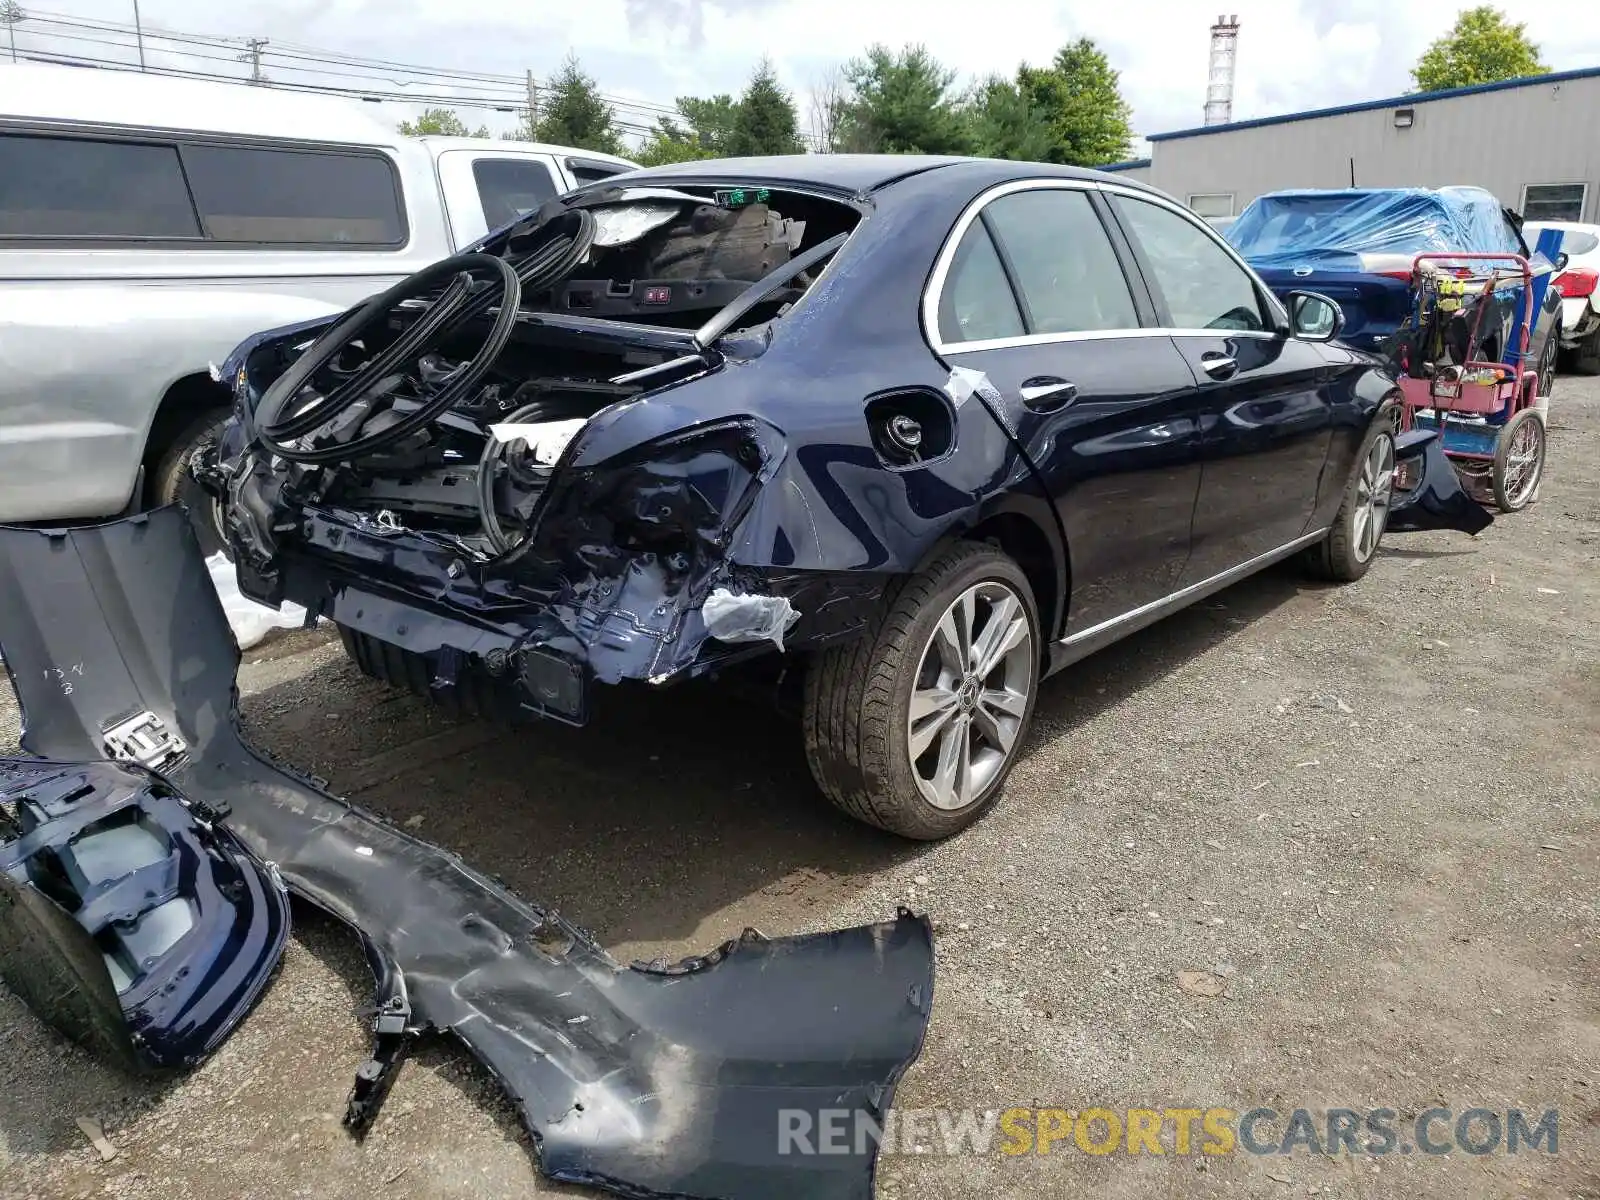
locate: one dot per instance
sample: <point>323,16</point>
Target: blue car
<point>930,427</point>
<point>1357,245</point>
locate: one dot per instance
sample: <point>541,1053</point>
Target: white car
<point>1578,283</point>
<point>147,224</point>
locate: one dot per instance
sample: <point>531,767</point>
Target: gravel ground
<point>1369,812</point>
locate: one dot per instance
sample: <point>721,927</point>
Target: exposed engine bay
<point>445,404</point>
<point>426,445</point>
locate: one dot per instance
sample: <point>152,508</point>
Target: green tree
<point>1003,123</point>
<point>670,142</point>
<point>572,113</point>
<point>1078,99</point>
<point>901,103</point>
<point>441,121</point>
<point>702,128</point>
<point>713,120</point>
<point>765,121</point>
<point>1482,47</point>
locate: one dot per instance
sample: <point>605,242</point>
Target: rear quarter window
<point>255,194</point>
<point>53,187</point>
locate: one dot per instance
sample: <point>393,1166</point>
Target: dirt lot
<point>1371,811</point>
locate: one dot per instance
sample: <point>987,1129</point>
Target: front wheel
<point>1518,461</point>
<point>914,726</point>
<point>172,482</point>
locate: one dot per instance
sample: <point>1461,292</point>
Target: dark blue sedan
<point>931,427</point>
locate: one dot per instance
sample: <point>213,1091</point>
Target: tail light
<point>1577,283</point>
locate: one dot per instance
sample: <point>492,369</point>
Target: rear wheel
<point>1518,461</point>
<point>1586,358</point>
<point>172,482</point>
<point>915,726</point>
<point>1352,543</point>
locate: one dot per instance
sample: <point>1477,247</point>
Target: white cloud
<point>1293,54</point>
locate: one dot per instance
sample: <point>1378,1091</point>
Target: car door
<point>1264,400</point>
<point>1031,292</point>
<point>484,190</point>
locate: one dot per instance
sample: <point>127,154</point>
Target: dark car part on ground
<point>656,1079</point>
<point>130,918</point>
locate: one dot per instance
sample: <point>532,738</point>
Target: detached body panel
<point>647,1080</point>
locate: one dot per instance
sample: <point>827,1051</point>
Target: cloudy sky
<point>1293,54</point>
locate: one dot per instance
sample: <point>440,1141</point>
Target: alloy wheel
<point>1374,489</point>
<point>971,694</point>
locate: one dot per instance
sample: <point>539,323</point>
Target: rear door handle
<point>1046,393</point>
<point>1218,365</point>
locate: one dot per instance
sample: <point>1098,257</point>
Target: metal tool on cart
<point>1485,408</point>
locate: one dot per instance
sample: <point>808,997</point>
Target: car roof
<point>441,143</point>
<point>103,96</point>
<point>859,173</point>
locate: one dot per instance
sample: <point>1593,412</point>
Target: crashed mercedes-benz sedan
<point>930,427</point>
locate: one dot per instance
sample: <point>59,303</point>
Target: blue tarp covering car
<point>1356,246</point>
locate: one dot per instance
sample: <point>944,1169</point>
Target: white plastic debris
<point>546,439</point>
<point>250,621</point>
<point>618,224</point>
<point>734,618</point>
<point>964,381</point>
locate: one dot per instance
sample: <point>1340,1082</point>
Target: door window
<point>77,187</point>
<point>977,303</point>
<point>1203,286</point>
<point>510,187</point>
<point>1063,262</point>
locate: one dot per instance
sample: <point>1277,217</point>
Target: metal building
<point>1534,143</point>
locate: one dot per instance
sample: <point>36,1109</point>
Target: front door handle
<point>1046,393</point>
<point>1217,365</point>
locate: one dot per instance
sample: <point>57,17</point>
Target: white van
<point>149,224</point>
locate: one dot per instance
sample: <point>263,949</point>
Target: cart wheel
<point>1518,461</point>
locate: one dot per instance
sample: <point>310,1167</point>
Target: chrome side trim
<point>1196,591</point>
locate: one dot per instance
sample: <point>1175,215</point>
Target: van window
<point>510,187</point>
<point>76,187</point>
<point>301,197</point>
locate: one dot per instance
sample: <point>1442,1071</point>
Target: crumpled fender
<point>650,1080</point>
<point>1437,500</point>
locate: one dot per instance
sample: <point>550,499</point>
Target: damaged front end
<point>651,1080</point>
<point>440,472</point>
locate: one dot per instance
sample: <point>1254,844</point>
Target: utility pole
<point>10,13</point>
<point>253,57</point>
<point>533,106</point>
<point>138,33</point>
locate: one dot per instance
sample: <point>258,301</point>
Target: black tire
<point>1586,358</point>
<point>171,481</point>
<point>1514,495</point>
<point>858,697</point>
<point>1338,556</point>
<point>1548,355</point>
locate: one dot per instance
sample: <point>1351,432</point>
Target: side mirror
<point>1561,262</point>
<point>1313,317</point>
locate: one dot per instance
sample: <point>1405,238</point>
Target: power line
<point>433,86</point>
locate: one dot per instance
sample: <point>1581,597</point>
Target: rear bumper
<point>532,642</point>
